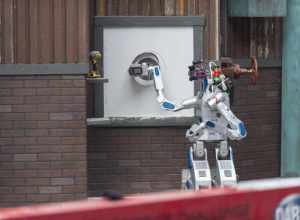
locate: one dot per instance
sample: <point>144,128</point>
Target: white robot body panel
<point>220,122</point>
<point>216,124</point>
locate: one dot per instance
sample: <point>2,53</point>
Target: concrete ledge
<point>140,121</point>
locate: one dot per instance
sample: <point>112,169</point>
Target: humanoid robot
<point>215,121</point>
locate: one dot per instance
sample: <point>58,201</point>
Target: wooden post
<point>181,7</point>
<point>214,15</point>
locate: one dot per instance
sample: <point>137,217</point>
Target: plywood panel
<point>1,31</point>
<point>21,31</point>
<point>203,9</point>
<point>44,32</point>
<point>278,28</point>
<point>133,7</point>
<point>170,6</point>
<point>145,7</point>
<point>59,31</point>
<point>123,8</point>
<point>191,7</point>
<point>8,30</point>
<point>112,7</point>
<point>54,22</point>
<point>260,37</point>
<point>83,30</point>
<point>156,7</point>
<point>34,31</point>
<point>180,7</point>
<point>71,31</point>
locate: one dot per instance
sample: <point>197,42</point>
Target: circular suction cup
<point>145,60</point>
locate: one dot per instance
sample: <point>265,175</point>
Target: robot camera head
<point>197,70</point>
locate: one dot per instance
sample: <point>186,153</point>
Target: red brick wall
<point>130,160</point>
<point>258,155</point>
<point>42,139</point>
<point>135,159</point>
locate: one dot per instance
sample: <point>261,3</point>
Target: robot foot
<point>199,170</point>
<point>186,181</point>
<point>189,183</point>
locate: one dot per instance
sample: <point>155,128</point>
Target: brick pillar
<point>42,139</point>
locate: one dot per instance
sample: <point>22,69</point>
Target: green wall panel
<point>257,8</point>
<point>290,147</point>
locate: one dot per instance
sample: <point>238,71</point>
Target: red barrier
<point>259,202</point>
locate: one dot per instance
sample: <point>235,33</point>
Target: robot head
<point>197,70</point>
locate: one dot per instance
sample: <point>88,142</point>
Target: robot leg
<point>198,176</point>
<point>226,175</point>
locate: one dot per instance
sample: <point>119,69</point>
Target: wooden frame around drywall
<point>197,22</point>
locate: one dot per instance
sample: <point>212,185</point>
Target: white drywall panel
<point>123,96</point>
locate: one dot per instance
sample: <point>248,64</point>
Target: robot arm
<point>163,101</point>
<point>237,128</point>
<point>145,69</point>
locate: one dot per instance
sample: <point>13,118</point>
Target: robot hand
<point>158,83</point>
<point>165,104</point>
<point>147,74</point>
<point>168,105</point>
<point>195,131</point>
